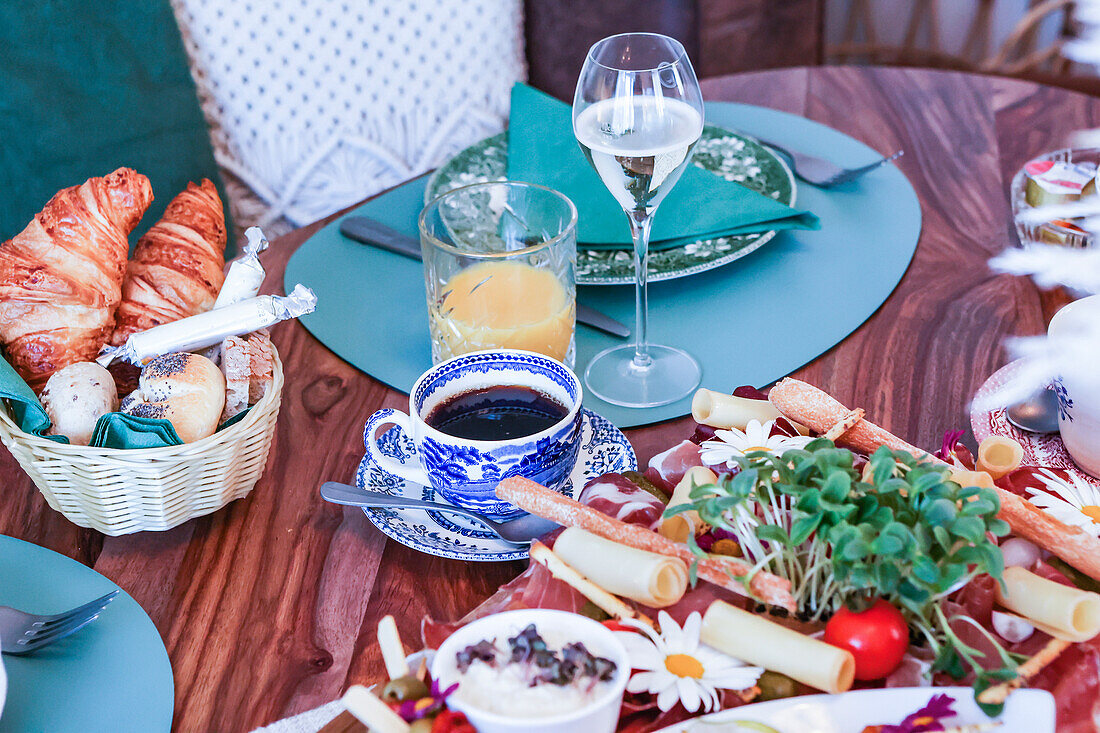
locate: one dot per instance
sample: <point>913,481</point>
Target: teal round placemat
<point>752,321</point>
<point>111,676</point>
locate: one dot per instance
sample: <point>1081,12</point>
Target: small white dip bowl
<point>600,715</point>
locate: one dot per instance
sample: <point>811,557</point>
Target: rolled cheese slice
<point>1063,611</point>
<point>646,577</point>
<point>972,478</point>
<point>372,712</point>
<point>729,411</point>
<point>999,456</point>
<point>763,643</point>
<point>681,526</point>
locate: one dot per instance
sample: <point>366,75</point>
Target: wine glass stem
<point>639,230</point>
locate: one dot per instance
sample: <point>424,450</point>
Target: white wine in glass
<point>637,115</point>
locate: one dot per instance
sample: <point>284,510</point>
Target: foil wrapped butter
<point>212,327</point>
<point>246,274</point>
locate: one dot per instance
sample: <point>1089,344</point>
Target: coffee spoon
<point>1037,414</point>
<point>520,531</point>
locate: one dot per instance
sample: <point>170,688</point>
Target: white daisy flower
<point>729,444</point>
<point>675,666</point>
<point>1074,502</point>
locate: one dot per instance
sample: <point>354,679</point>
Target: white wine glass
<point>637,114</point>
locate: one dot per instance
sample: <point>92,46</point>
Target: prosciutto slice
<point>617,496</point>
<point>672,464</point>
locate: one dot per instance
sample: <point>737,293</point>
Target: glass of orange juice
<point>499,261</point>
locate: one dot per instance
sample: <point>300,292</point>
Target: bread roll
<point>75,397</point>
<point>236,366</point>
<point>261,365</point>
<point>188,390</point>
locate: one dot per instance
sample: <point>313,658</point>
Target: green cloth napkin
<point>543,150</point>
<point>27,410</point>
<point>86,87</point>
<point>119,430</point>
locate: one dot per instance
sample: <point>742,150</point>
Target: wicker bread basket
<point>123,491</point>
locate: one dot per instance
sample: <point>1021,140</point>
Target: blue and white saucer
<point>604,449</point>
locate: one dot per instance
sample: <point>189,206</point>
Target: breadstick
<point>372,712</point>
<point>999,693</point>
<point>566,573</point>
<point>806,404</point>
<point>1072,544</point>
<point>393,653</point>
<point>850,420</point>
<point>809,405</point>
<point>723,571</point>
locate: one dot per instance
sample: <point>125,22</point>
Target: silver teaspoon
<point>519,531</point>
<point>1038,414</point>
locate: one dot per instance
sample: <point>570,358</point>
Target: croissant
<point>176,270</point>
<point>61,277</point>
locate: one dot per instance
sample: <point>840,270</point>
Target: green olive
<point>404,688</point>
<point>775,686</point>
<point>421,725</point>
<point>594,612</point>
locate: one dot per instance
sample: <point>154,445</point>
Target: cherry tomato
<point>877,638</point>
<point>614,625</point>
<point>452,721</point>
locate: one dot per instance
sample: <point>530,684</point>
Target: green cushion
<point>86,87</point>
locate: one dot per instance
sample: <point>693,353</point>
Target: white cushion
<point>316,104</point>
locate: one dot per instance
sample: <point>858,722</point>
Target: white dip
<point>505,688</point>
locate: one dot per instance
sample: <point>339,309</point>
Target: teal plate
<point>111,676</point>
<point>732,156</point>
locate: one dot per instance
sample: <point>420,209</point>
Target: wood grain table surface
<point>268,607</point>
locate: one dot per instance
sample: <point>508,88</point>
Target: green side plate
<point>732,156</point>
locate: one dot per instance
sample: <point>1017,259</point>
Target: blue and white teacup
<point>466,472</point>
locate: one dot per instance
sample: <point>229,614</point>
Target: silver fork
<point>23,633</point>
<point>825,173</point>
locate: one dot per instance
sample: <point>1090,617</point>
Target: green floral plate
<point>732,156</point>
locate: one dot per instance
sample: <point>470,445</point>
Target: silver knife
<point>375,233</point>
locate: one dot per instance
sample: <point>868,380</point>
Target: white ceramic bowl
<point>599,716</point>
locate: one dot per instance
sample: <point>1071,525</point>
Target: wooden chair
<point>1018,55</point>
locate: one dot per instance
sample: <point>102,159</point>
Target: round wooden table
<point>269,606</point>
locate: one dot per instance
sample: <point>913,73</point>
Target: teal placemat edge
<point>750,322</point>
<point>42,694</point>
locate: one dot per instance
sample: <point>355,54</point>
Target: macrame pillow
<point>316,104</point>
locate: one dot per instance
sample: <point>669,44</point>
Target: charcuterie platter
<point>788,547</point>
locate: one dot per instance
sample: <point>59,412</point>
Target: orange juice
<point>506,304</point>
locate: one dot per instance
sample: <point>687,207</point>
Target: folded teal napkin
<point>119,430</point>
<point>25,407</point>
<point>702,205</point>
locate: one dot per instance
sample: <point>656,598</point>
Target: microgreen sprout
<point>902,530</point>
